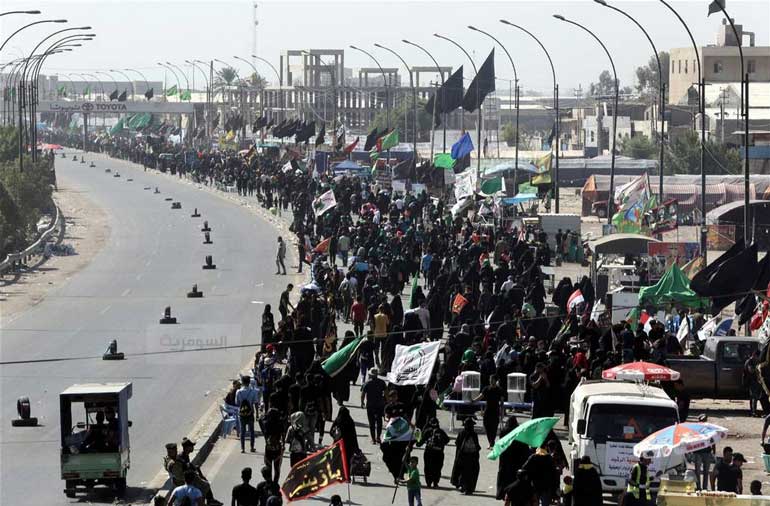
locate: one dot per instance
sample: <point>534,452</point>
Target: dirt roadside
<point>86,232</point>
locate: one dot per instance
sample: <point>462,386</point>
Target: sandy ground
<point>86,232</point>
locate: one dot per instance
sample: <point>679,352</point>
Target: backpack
<point>246,410</point>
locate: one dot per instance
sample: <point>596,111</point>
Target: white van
<point>607,418</point>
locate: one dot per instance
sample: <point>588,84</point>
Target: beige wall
<point>682,73</point>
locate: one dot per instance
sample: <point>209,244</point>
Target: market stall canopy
<point>347,165</point>
<point>618,244</point>
<point>503,168</point>
<point>673,287</point>
<point>640,371</point>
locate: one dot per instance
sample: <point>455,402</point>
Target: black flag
<point>215,122</point>
<point>371,139</point>
<point>700,282</point>
<point>716,6</point>
<point>114,95</point>
<point>449,96</point>
<point>270,123</point>
<point>404,170</point>
<point>340,141</point>
<point>122,96</point>
<point>734,278</point>
<point>321,136</point>
<point>149,94</point>
<point>321,469</point>
<point>482,84</point>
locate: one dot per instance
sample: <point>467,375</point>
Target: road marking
<point>125,292</point>
<point>257,302</point>
<point>107,308</point>
<point>221,458</point>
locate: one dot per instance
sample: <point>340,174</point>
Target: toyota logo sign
<point>88,106</point>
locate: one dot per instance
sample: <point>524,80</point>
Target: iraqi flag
<point>323,246</point>
<point>574,300</point>
<point>337,362</point>
<point>350,147</point>
<point>324,203</point>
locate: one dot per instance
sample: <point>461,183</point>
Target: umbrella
<point>532,432</point>
<point>679,439</point>
<point>640,371</point>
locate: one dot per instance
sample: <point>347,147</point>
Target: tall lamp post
<point>555,106</point>
<point>414,95</point>
<point>278,75</point>
<point>745,105</point>
<point>478,121</point>
<point>256,74</point>
<point>208,94</point>
<point>27,26</point>
<point>146,82</point>
<point>384,81</point>
<point>515,104</point>
<point>130,81</point>
<point>702,110</point>
<point>614,116</point>
<point>661,96</point>
<point>443,93</point>
<point>241,97</point>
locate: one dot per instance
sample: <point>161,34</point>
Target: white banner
<point>619,459</point>
<point>129,106</point>
<point>324,203</point>
<point>412,365</point>
<point>465,183</point>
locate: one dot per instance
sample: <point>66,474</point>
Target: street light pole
<point>745,105</point>
<point>27,26</point>
<point>384,81</point>
<point>515,103</point>
<point>610,206</point>
<point>702,110</point>
<point>414,95</point>
<point>661,96</point>
<point>146,82</point>
<point>130,81</point>
<point>443,94</point>
<point>555,106</point>
<point>206,113</point>
<point>278,75</point>
<point>479,119</point>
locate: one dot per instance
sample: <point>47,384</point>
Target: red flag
<point>459,303</point>
<point>350,147</point>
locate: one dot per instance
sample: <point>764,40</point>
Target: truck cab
<point>95,447</point>
<point>607,418</point>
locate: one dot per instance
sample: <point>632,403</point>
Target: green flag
<point>185,95</point>
<point>342,357</point>
<point>492,186</point>
<point>87,90</point>
<point>412,293</point>
<point>117,128</point>
<point>171,91</point>
<point>390,140</point>
<point>62,90</point>
<point>374,155</point>
<point>532,432</point>
<point>444,161</point>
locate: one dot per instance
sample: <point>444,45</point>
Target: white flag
<point>287,167</point>
<point>412,365</point>
<point>684,331</point>
<point>324,203</point>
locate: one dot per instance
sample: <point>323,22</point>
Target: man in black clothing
<point>721,474</point>
<point>494,396</point>
<point>244,494</point>
<point>284,303</point>
<point>374,393</point>
<point>267,488</point>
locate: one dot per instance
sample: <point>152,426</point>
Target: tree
<point>639,147</point>
<point>225,77</point>
<point>508,134</point>
<point>648,80</point>
<point>605,86</point>
<point>257,81</point>
<point>683,156</point>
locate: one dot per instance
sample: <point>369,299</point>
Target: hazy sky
<point>139,34</point>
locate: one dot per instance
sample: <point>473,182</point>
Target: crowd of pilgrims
<point>379,242</point>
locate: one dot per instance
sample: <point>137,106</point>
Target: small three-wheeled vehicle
<point>94,436</point>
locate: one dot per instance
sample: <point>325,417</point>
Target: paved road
<point>152,258</point>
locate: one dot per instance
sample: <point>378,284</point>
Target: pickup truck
<point>718,373</point>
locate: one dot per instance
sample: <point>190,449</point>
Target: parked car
<point>718,373</point>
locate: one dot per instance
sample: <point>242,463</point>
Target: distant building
<point>720,63</point>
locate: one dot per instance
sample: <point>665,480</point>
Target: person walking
<point>373,393</point>
<point>541,469</point>
<point>412,483</point>
<point>284,303</point>
<point>246,399</point>
<point>435,440</point>
<point>465,472</point>
<point>344,428</point>
<point>586,484</point>
<point>280,256</point>
<point>244,494</point>
<point>494,396</point>
<point>297,439</point>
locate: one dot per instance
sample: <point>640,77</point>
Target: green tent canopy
<point>673,288</point>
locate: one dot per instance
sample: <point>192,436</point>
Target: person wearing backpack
<point>246,399</point>
<point>435,439</point>
<point>465,472</point>
<point>273,428</point>
<point>296,438</point>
